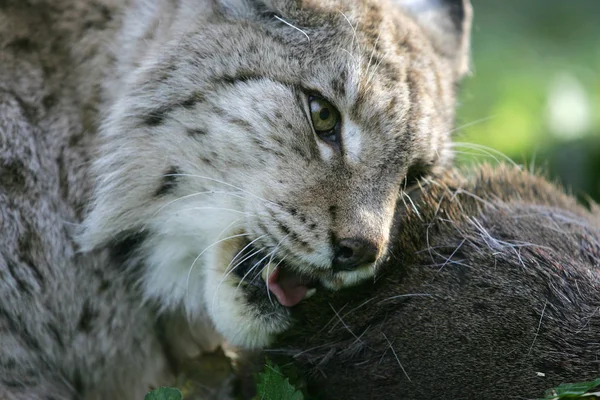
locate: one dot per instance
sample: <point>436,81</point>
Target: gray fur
<point>109,110</point>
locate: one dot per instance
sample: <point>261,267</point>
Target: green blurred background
<point>534,95</point>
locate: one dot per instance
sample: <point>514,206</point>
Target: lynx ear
<point>448,24</point>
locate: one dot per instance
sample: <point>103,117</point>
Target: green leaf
<point>164,393</point>
<point>274,385</point>
<point>572,390</point>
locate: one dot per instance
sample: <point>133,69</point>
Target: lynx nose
<point>351,253</point>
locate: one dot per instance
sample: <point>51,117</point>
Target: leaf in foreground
<point>274,385</point>
<point>164,393</point>
<point>574,391</point>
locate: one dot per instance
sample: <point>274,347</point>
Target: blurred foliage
<point>274,384</point>
<point>582,390</point>
<point>535,90</point>
<point>164,393</point>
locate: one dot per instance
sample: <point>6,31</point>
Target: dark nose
<point>353,252</point>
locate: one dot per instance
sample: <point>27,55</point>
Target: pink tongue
<point>288,288</point>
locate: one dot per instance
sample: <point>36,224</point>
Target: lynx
<point>175,174</point>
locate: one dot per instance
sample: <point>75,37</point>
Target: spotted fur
<point>135,136</point>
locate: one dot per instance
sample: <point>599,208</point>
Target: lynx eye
<point>325,117</point>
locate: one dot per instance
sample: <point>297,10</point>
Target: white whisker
<point>480,154</point>
<point>350,54</point>
<point>256,264</point>
<point>295,27</point>
<point>231,267</point>
<point>343,322</point>
<point>374,71</point>
<point>353,32</point>
<point>451,255</point>
<point>269,264</point>
<point>210,246</point>
<point>485,150</point>
<point>400,296</point>
<point>267,282</point>
<point>372,54</point>
<point>226,184</point>
<point>241,252</point>
<point>396,355</point>
<point>235,194</point>
<point>215,209</point>
<point>469,124</point>
<point>538,328</point>
<point>413,205</point>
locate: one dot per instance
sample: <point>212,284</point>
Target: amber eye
<point>324,116</point>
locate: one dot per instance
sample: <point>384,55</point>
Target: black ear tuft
<point>448,24</point>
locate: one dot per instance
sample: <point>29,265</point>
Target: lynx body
<point>175,173</point>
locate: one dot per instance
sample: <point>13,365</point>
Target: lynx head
<point>259,151</point>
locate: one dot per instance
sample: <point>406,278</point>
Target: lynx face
<point>258,153</point>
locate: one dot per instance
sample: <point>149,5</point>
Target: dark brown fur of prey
<point>493,293</point>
